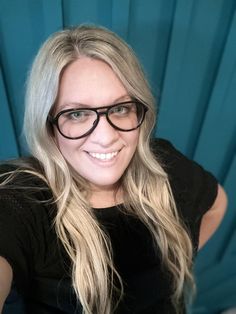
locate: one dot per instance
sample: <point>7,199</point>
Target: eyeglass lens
<point>125,117</point>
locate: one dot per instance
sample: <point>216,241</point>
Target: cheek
<point>61,143</point>
<point>67,147</point>
<point>131,138</point>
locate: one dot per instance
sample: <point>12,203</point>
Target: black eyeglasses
<point>77,123</point>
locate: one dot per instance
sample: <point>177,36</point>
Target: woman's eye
<point>120,109</point>
<point>78,115</point>
<point>75,115</point>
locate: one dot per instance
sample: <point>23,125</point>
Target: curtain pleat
<point>188,51</point>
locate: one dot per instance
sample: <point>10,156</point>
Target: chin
<point>105,184</point>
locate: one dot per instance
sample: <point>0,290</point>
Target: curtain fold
<point>188,51</point>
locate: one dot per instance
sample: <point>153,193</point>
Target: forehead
<point>90,82</point>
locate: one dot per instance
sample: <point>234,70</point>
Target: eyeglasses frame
<point>54,120</point>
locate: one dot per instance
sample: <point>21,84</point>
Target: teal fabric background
<point>188,50</point>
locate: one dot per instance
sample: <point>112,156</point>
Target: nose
<point>104,134</point>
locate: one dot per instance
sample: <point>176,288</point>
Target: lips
<point>103,156</point>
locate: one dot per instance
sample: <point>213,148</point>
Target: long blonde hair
<point>87,245</point>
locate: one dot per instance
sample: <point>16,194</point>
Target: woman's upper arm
<point>212,218</point>
<point>5,280</point>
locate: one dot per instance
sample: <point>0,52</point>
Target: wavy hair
<point>93,272</point>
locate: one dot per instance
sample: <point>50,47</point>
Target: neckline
<point>107,208</point>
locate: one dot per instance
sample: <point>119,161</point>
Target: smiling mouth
<point>103,156</point>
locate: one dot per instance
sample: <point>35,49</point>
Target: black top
<point>41,267</point>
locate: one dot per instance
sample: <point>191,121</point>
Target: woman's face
<point>101,157</point>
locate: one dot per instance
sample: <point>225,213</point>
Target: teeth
<point>103,156</point>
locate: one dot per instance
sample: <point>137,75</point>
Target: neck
<point>101,198</point>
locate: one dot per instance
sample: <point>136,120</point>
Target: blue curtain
<point>188,50</point>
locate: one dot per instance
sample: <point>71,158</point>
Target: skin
<point>92,83</point>
<point>6,276</point>
<point>209,224</point>
<point>212,218</point>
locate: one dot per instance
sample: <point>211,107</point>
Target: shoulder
<point>188,179</point>
<point>170,158</point>
<point>22,187</point>
<point>26,201</point>
<point>24,173</point>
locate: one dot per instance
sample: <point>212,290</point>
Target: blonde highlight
<point>83,238</point>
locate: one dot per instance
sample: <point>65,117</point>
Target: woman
<point>100,219</point>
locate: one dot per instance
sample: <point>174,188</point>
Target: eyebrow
<point>80,105</point>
